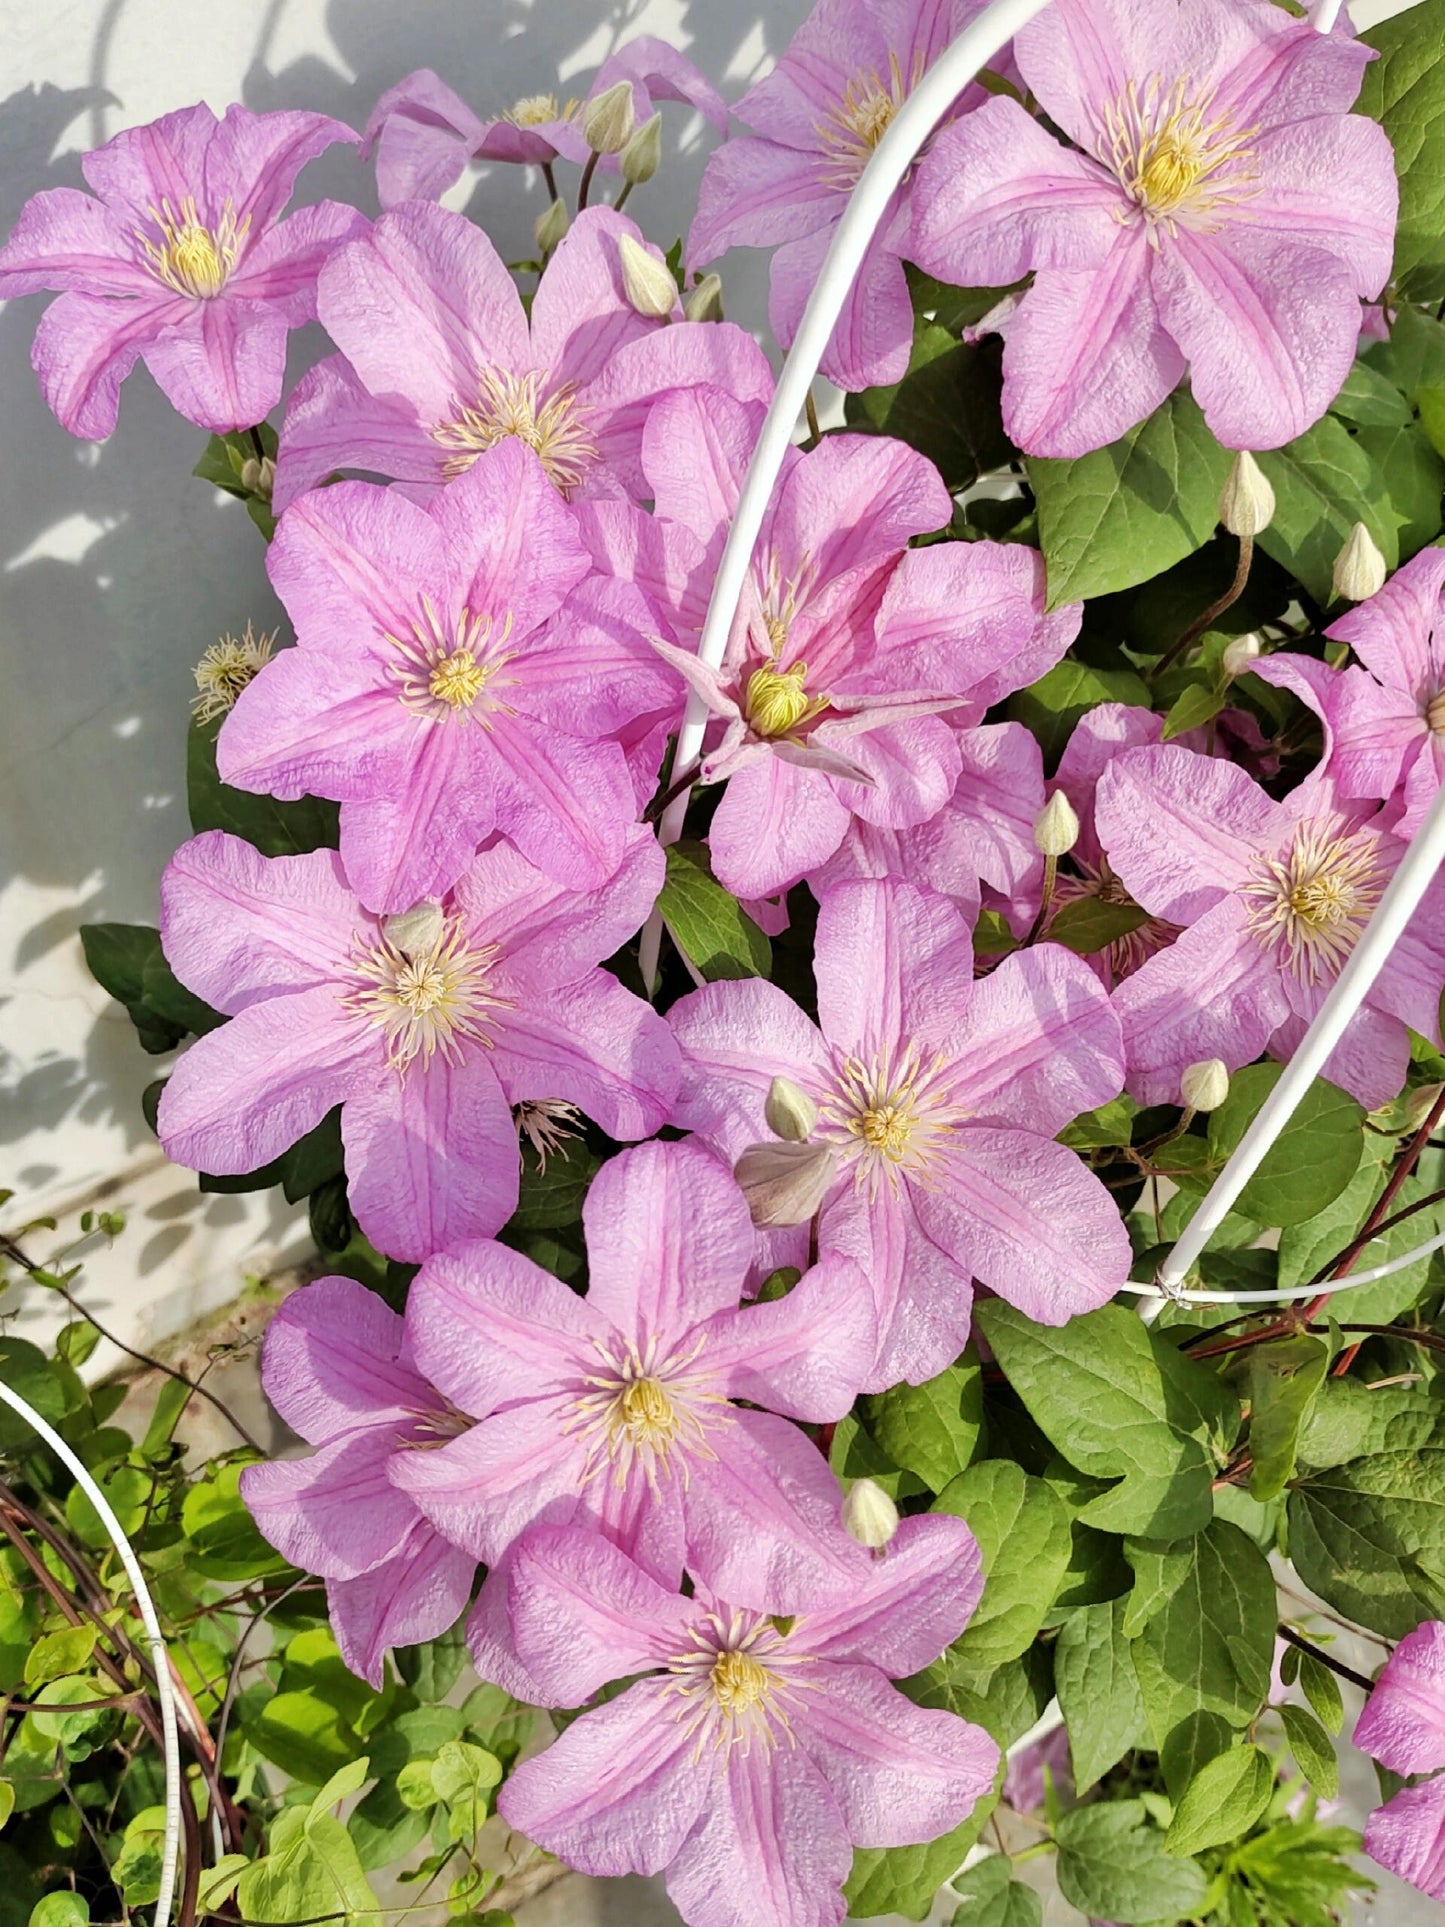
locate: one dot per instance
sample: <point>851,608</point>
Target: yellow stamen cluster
<point>1312,904</point>
<point>737,1682</point>
<point>1174,161</point>
<point>190,258</point>
<point>862,116</point>
<point>891,1115</point>
<point>777,703</point>
<point>458,679</point>
<point>639,1409</point>
<point>1435,713</point>
<point>430,1001</point>
<point>507,404</point>
<point>442,673</point>
<point>226,668</point>
<point>536,110</point>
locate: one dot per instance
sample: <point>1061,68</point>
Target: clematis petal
<point>772,1849</point>
<point>1407,1836</point>
<point>807,1354</point>
<point>1403,1723</point>
<point>222,364</point>
<point>1179,828</point>
<point>484,1488</point>
<point>905,1608</point>
<point>593,1044</point>
<point>736,1038</point>
<point>334,1360</point>
<point>421,133</point>
<point>890,961</point>
<point>333,422</point>
<point>415,1596</point>
<point>336,1512</point>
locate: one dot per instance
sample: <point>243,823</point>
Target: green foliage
<point>1098,1690</point>
<point>1310,1162</point>
<point>1369,1537</point>
<point>126,960</point>
<point>1022,1528</point>
<point>1222,1801</point>
<point>276,828</point>
<point>1405,91</point>
<point>946,406</point>
<point>1284,1377</point>
<point>933,1429</point>
<point>991,1897</point>
<point>709,926</point>
<point>1113,1864</point>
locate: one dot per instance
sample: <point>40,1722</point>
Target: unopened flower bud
<point>1056,827</point>
<point>1241,654</point>
<point>639,158</point>
<point>785,1183</point>
<point>550,228</point>
<point>258,477</point>
<point>1246,505</point>
<point>869,1515</point>
<point>1420,1103</point>
<point>646,281</point>
<point>609,119</point>
<point>414,931</point>
<point>1204,1086</point>
<point>704,301</point>
<point>789,1110</point>
<point>1359,568</point>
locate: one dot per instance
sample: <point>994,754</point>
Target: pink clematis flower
<point>621,1407</point>
<point>338,1368</point>
<point>938,1098</point>
<point>1403,1727</point>
<point>1221,209</point>
<point>1271,897</point>
<point>1388,719</point>
<point>424,134</point>
<point>817,118</point>
<point>456,673</point>
<point>440,360</point>
<point>183,260</point>
<point>424,1028</point>
<point>846,646</point>
<point>746,1762</point>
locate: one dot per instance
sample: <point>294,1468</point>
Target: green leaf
<point>1089,924</point>
<point>1049,708</point>
<point>1222,1802</point>
<point>708,925</point>
<point>1405,91</point>
<point>1321,1689</point>
<point>1312,1159</point>
<point>311,1872</point>
<point>137,1869</point>
<point>303,1735</point>
<point>1283,1376</point>
<point>275,828</point>
<point>1120,1403</point>
<point>1022,1528</point>
<point>61,1910</point>
<point>1111,1125</point>
<point>1409,469</point>
<point>7,1800</point>
<point>1314,1755</point>
<point>1369,1538</point>
<point>1414,356</point>
<point>1112,1864</point>
<point>1098,1690</point>
<point>1370,399</point>
<point>1005,1702</point>
<point>992,1898</point>
<point>1349,1421</point>
<point>463,1776</point>
<point>553,1197</point>
<point>222,1535</point>
<point>1125,513</point>
<point>930,1429</point>
<point>126,960</point>
<point>56,1654</point>
<point>904,1880</point>
<point>1159,1569</point>
<point>1324,482</point>
<point>1210,1647</point>
<point>946,406</point>
<point>1197,704</point>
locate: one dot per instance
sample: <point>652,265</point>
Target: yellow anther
<point>777,701</point>
<point>738,1681</point>
<point>457,680</point>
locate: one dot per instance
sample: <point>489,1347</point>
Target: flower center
<point>1313,903</point>
<point>442,675</point>
<point>430,1000</point>
<point>777,702</point>
<point>737,1682</point>
<point>1435,713</point>
<point>226,668</point>
<point>190,258</point>
<point>507,404</point>
<point>862,116</point>
<point>640,1408</point>
<point>536,110</point>
<point>1171,158</point>
<point>891,1116</point>
<point>647,1415</point>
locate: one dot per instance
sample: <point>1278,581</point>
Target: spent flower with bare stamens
<point>226,668</point>
<point>547,1124</point>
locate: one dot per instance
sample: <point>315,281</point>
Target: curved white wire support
<point>171,1844</point>
<point>1297,1294</point>
<point>1325,15</point>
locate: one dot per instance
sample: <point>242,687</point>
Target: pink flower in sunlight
<point>846,646</point>
<point>458,671</point>
<point>425,1029</point>
<point>339,1370</point>
<point>746,1761</point>
<point>182,261</point>
<point>1403,1727</point>
<point>938,1097</point>
<point>424,134</point>
<point>1271,898</point>
<point>816,119</point>
<point>440,360</point>
<point>1221,210</point>
<point>621,1407</point>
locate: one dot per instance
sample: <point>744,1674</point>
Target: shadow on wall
<point>117,569</point>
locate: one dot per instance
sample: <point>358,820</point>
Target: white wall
<point>116,569</point>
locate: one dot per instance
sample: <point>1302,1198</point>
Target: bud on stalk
<point>1056,827</point>
<point>790,1112</point>
<point>869,1515</point>
<point>1246,505</point>
<point>1359,568</point>
<point>609,119</point>
<point>550,228</point>
<point>1204,1086</point>
<point>643,152</point>
<point>1241,654</point>
<point>646,281</point>
<point>704,300</point>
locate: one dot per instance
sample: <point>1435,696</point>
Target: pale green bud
<point>1420,1103</point>
<point>639,159</point>
<point>1056,827</point>
<point>1359,568</point>
<point>414,931</point>
<point>785,1183</point>
<point>869,1515</point>
<point>1241,654</point>
<point>1246,506</point>
<point>789,1111</point>
<point>608,121</point>
<point>550,228</point>
<point>646,281</point>
<point>1204,1086</point>
<point>258,477</point>
<point>704,300</point>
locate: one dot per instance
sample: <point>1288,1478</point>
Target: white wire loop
<point>160,1659</point>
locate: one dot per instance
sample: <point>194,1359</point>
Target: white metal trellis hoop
<point>905,137</point>
<point>160,1659</point>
